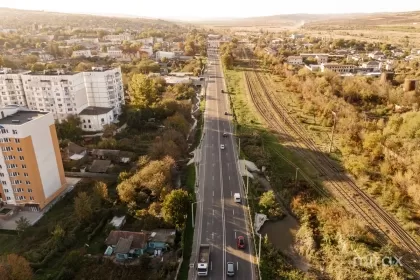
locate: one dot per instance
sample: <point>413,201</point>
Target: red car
<point>241,242</point>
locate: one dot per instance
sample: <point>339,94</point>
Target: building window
<point>25,174</point>
<point>90,126</point>
<point>84,126</point>
<point>21,157</point>
<point>3,182</point>
<point>19,149</point>
<point>23,166</point>
<point>88,121</point>
<point>31,198</point>
<point>1,174</point>
<point>17,140</point>
<point>29,190</point>
<point>28,182</point>
<point>14,131</point>
<point>6,190</point>
<point>8,198</point>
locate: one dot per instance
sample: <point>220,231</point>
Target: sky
<point>197,9</point>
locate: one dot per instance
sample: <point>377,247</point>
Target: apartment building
<point>82,53</point>
<point>31,168</point>
<point>294,60</point>
<point>11,88</point>
<point>338,68</point>
<point>67,93</point>
<point>119,37</point>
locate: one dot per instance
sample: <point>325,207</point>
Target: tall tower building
<point>31,169</point>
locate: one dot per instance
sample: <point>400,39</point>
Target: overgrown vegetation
<point>329,238</point>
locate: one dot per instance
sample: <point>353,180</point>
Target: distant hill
<point>368,20</point>
<point>281,20</point>
<point>13,18</point>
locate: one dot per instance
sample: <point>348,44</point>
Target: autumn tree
<point>14,267</point>
<point>83,207</point>
<point>58,234</point>
<point>109,130</point>
<point>175,208</point>
<point>69,129</point>
<point>182,91</point>
<point>143,91</point>
<point>101,190</point>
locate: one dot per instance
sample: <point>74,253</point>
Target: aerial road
<point>219,220</point>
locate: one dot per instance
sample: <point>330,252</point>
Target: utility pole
<point>333,129</point>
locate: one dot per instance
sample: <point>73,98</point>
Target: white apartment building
<point>295,60</point>
<point>81,53</point>
<point>147,49</point>
<point>114,52</point>
<point>338,68</point>
<point>162,54</point>
<point>321,58</point>
<point>146,41</point>
<point>11,88</point>
<point>104,88</point>
<point>65,94</point>
<point>119,37</point>
<point>31,168</point>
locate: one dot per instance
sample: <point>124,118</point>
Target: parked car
<point>230,269</point>
<point>225,134</point>
<point>222,147</point>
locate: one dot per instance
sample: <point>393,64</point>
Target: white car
<point>222,147</point>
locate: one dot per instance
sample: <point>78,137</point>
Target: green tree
<point>22,224</point>
<point>69,129</point>
<point>58,234</point>
<point>227,61</point>
<point>269,205</point>
<point>104,49</point>
<point>175,208</point>
<point>109,130</point>
<point>178,123</point>
<point>83,207</point>
<point>14,267</point>
<point>143,91</point>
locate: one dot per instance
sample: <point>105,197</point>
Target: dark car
<point>225,134</point>
<point>226,113</point>
<point>241,242</point>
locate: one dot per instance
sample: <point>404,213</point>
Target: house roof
<point>139,238</point>
<point>93,110</point>
<point>124,245</point>
<point>73,148</point>
<point>100,166</point>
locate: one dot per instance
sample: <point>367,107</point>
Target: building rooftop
<point>93,110</point>
<point>21,117</point>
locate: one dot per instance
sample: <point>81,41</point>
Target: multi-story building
<point>61,93</point>
<point>338,68</point>
<point>31,168</point>
<point>11,88</point>
<point>294,60</point>
<point>82,53</point>
<point>104,88</point>
<point>119,37</point>
<point>67,93</point>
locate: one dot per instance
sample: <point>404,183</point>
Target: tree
<point>109,130</point>
<point>83,66</point>
<point>69,129</point>
<point>83,207</point>
<point>22,224</point>
<point>143,91</point>
<point>101,189</point>
<point>31,59</point>
<point>178,123</point>
<point>269,205</point>
<point>227,61</point>
<point>14,267</point>
<point>175,208</point>
<point>104,49</point>
<point>58,234</point>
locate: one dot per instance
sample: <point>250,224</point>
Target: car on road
<point>222,91</point>
<point>226,113</point>
<point>240,242</point>
<point>222,147</point>
<point>225,134</point>
<point>237,197</point>
<point>230,269</point>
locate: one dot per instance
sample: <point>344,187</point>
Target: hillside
<point>13,18</point>
<point>406,19</point>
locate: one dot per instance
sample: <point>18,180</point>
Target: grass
<point>5,211</point>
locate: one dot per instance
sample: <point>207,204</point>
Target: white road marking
<point>237,265</point>
<point>233,212</point>
<point>229,177</point>
<point>211,265</point>
<point>213,212</point>
<point>231,194</point>
<point>213,193</point>
<point>235,234</point>
<point>213,178</point>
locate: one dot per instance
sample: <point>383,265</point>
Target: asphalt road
<point>219,219</point>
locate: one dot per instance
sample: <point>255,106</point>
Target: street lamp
<point>192,212</point>
<point>333,128</point>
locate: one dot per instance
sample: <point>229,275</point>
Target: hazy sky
<point>197,9</point>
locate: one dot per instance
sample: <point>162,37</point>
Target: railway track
<point>339,184</point>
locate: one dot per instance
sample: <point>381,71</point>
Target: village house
<point>295,60</point>
<point>377,55</point>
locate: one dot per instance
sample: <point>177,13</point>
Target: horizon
<point>177,11</point>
